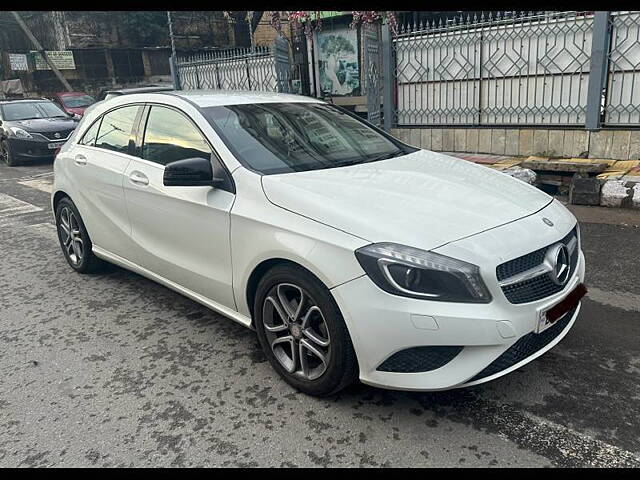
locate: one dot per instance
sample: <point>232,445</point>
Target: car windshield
<point>293,137</point>
<point>77,101</point>
<point>29,110</point>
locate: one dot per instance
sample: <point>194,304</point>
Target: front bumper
<point>31,149</point>
<point>487,335</point>
<point>382,324</point>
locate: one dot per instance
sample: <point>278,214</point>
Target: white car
<point>352,254</point>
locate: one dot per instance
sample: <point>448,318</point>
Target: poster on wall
<point>18,62</point>
<point>338,61</point>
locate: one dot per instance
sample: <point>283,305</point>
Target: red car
<point>73,102</point>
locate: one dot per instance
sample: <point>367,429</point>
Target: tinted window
<point>115,129</point>
<point>28,110</point>
<point>288,137</point>
<point>170,136</point>
<point>89,137</point>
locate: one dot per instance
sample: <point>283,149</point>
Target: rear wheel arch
<point>59,195</point>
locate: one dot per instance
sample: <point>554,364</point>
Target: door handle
<point>138,178</point>
<point>80,160</point>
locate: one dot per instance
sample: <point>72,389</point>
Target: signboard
<point>18,62</point>
<point>62,59</point>
<point>338,61</point>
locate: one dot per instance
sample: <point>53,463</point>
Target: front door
<point>180,233</point>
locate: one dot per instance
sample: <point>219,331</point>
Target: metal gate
<point>282,65</point>
<point>372,71</point>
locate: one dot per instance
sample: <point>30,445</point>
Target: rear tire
<point>310,347</point>
<point>74,239</point>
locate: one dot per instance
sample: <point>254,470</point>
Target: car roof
<point>17,100</point>
<point>124,91</point>
<point>212,98</point>
<point>70,94</point>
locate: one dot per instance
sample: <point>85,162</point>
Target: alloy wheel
<point>297,331</point>
<point>71,236</point>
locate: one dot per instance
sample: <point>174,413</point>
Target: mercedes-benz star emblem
<point>547,221</point>
<point>558,260</point>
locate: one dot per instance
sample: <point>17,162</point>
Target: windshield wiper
<point>347,163</point>
<point>384,156</point>
<point>358,161</point>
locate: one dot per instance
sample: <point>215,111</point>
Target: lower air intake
<point>419,359</point>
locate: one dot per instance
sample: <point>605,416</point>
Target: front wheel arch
<point>259,271</point>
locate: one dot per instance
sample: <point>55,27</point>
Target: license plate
<point>549,316</point>
<point>53,146</point>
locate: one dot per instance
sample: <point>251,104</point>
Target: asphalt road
<point>115,370</point>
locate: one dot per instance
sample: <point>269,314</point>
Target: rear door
<point>99,162</point>
<point>180,233</point>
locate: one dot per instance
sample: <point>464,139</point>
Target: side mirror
<point>191,172</point>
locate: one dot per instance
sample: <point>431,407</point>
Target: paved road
<point>114,370</point>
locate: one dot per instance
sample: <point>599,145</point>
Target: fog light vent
<point>419,359</point>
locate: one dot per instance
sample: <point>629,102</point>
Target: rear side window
<point>115,130</point>
<point>171,136</point>
<point>89,137</point>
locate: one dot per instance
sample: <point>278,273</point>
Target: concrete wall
<point>613,144</point>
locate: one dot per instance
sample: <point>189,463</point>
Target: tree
<point>145,28</point>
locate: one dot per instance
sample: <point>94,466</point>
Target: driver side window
<point>170,136</point>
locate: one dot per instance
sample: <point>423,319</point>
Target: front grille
<point>538,287</point>
<point>419,359</point>
<point>526,346</point>
<point>52,135</point>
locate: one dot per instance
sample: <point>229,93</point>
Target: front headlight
<point>20,133</point>
<point>416,273</point>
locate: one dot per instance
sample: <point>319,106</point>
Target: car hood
<point>423,199</point>
<point>76,110</point>
<point>45,124</point>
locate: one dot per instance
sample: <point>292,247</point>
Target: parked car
<point>352,254</point>
<point>74,103</point>
<point>32,129</point>
<point>107,94</point>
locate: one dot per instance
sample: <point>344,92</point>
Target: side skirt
<point>124,263</point>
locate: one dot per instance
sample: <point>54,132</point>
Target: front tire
<point>7,156</point>
<point>302,332</point>
<point>74,239</point>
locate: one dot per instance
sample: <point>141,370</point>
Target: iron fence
<point>622,105</point>
<point>525,69</point>
<point>233,69</point>
<point>258,68</point>
<point>536,69</point>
